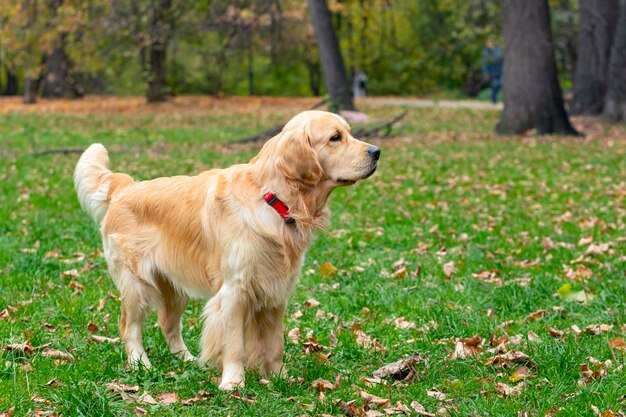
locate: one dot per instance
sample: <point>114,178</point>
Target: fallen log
<point>262,137</point>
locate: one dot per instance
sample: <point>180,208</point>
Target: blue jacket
<point>492,61</point>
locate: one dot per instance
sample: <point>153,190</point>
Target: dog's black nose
<point>374,151</point>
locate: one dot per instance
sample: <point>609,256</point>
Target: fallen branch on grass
<point>262,137</point>
<point>365,132</point>
<point>64,151</point>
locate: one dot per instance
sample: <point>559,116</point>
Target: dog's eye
<point>336,138</point>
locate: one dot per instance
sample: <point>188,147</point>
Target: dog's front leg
<point>233,311</point>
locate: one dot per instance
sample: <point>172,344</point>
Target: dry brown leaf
<point>554,332</point>
<point>92,327</point>
<point>617,343</point>
<point>419,409</point>
<point>597,249</point>
<point>54,382</point>
<point>117,387</point>
<point>350,409</point>
<point>167,398</point>
<point>327,270</point>
<point>73,273</point>
<point>311,302</point>
<point>373,399</point>
<point>103,339</point>
<point>399,370</point>
<point>536,315</point>
<point>57,354</point>
<point>464,348</point>
<point>596,329</point>
<point>25,347</point>
<point>438,395</point>
<point>145,398</point>
<point>449,269</point>
<point>504,360</point>
<point>506,391</point>
<point>295,335</point>
<point>365,340</point>
<point>520,374</point>
<point>140,411</point>
<point>399,273</point>
<point>322,385</point>
<point>4,314</point>
<point>402,323</point>
<point>7,413</point>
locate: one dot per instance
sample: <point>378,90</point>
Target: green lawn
<point>488,229</point>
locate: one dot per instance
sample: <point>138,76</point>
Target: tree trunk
<point>156,81</point>
<point>334,70</point>
<point>598,20</point>
<point>161,25</point>
<point>532,94</point>
<point>56,81</point>
<point>30,90</point>
<point>10,88</point>
<point>615,104</point>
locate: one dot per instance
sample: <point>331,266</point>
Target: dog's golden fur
<point>213,236</point>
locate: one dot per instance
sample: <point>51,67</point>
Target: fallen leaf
<point>295,335</point>
<point>350,409</point>
<point>54,382</point>
<point>597,249</point>
<point>92,327</point>
<point>436,394</point>
<point>117,387</point>
<point>167,398</point>
<point>555,333</point>
<point>533,337</point>
<point>520,374</point>
<point>536,315</point>
<point>596,329</point>
<point>449,269</point>
<point>4,315</point>
<point>365,340</point>
<point>73,273</point>
<point>322,385</point>
<point>25,347</point>
<point>57,354</point>
<point>103,339</point>
<point>402,323</point>
<point>399,370</point>
<point>327,270</point>
<point>146,398</point>
<point>617,343</point>
<point>504,360</point>
<point>7,413</point>
<point>373,399</point>
<point>419,409</point>
<point>311,302</point>
<point>507,391</point>
<point>464,348</point>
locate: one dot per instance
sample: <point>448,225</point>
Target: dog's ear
<point>296,159</point>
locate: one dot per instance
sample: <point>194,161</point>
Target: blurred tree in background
<point>67,48</point>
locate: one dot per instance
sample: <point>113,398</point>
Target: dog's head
<point>317,146</point>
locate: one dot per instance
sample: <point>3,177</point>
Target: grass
<point>447,191</point>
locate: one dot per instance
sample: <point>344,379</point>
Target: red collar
<point>279,206</point>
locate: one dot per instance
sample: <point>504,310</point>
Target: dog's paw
<point>185,356</point>
<point>137,361</point>
<point>231,385</point>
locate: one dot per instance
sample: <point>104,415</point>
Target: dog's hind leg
<point>135,297</point>
<point>170,311</point>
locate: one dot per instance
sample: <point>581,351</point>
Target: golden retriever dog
<point>236,236</point>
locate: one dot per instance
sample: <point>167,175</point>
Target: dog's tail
<point>95,183</point>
